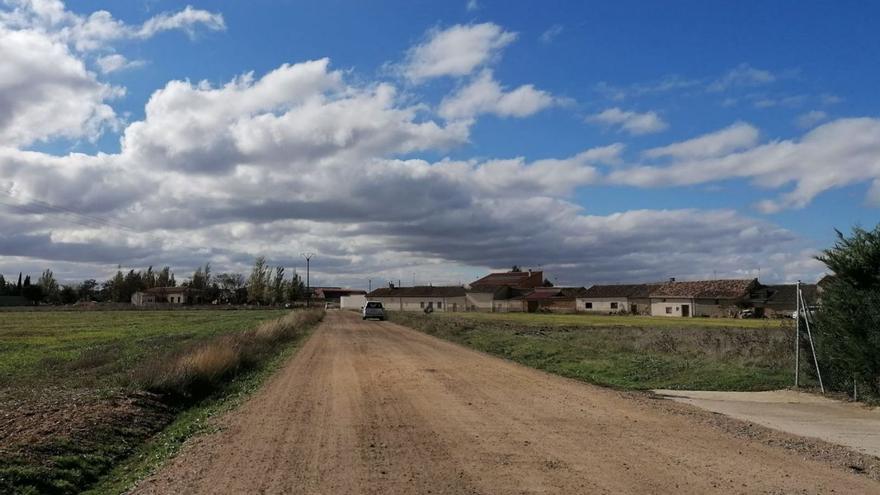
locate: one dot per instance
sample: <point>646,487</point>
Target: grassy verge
<point>627,357</point>
<point>98,349</point>
<point>594,320</point>
<point>61,440</point>
<point>194,421</point>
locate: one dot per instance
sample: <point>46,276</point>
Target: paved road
<point>376,408</point>
<point>852,425</point>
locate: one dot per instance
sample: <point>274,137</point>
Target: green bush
<point>848,330</point>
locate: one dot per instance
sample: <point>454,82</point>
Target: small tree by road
<point>848,334</point>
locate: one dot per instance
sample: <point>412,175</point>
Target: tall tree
<point>88,290</point>
<point>258,281</point>
<point>848,330</point>
<point>165,278</point>
<point>278,286</point>
<point>49,286</point>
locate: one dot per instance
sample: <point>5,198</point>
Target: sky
<point>431,142</point>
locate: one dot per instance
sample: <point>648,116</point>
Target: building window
<point>439,305</point>
<point>669,310</point>
<point>614,305</point>
<point>588,305</point>
<point>422,304</point>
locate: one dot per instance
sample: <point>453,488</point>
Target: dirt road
<point>375,408</point>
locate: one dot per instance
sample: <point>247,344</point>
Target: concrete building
<point>702,298</point>
<point>167,295</point>
<point>552,299</point>
<point>354,301</point>
<point>420,298</point>
<point>621,298</point>
<point>503,291</point>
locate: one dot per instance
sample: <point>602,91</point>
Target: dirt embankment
<point>372,407</point>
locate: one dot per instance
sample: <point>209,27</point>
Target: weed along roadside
<point>634,357</point>
<point>103,440</point>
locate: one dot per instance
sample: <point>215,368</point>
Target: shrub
<point>848,333</point>
<point>199,370</point>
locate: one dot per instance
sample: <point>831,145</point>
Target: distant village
<point>516,290</point>
<point>528,291</point>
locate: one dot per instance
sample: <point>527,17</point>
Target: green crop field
<point>90,349</point>
<point>626,352</point>
<point>82,391</point>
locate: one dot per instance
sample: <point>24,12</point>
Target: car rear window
<point>374,305</point>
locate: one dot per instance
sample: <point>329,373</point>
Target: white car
<point>374,309</point>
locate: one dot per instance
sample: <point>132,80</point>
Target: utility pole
<point>308,257</point>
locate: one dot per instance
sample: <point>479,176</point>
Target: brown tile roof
<point>621,290</point>
<point>513,279</point>
<point>709,289</point>
<point>544,293</point>
<point>418,291</point>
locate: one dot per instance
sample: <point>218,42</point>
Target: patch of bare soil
<point>376,408</point>
<point>55,441</point>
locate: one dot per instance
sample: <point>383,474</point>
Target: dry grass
<point>199,370</point>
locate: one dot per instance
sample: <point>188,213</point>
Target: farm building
<point>419,298</point>
<point>516,280</point>
<point>333,294</point>
<point>621,298</point>
<point>502,291</point>
<point>353,301</point>
<point>552,299</point>
<point>167,295</point>
<point>702,298</point>
<point>775,301</point>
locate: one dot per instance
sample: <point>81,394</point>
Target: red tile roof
<point>708,289</point>
<point>621,290</point>
<point>418,291</point>
<point>520,280</point>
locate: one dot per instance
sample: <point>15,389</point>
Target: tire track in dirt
<point>376,408</point>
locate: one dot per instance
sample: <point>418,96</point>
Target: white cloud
<point>46,89</point>
<point>46,92</point>
<point>187,20</point>
<point>742,75</point>
<point>301,159</point>
<point>735,137</point>
<point>485,95</point>
<point>632,122</point>
<point>811,118</point>
<point>836,154</point>
<point>455,51</point>
<point>551,33</point>
<point>95,31</point>
<point>295,115</point>
<point>472,5</point>
<point>116,62</point>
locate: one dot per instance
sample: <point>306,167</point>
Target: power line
<point>39,207</point>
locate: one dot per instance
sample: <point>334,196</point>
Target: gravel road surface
<point>376,408</point>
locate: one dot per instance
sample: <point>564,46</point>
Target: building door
<point>685,310</point>
<point>634,309</point>
<point>532,306</point>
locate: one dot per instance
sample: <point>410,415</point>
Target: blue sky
<point>787,77</point>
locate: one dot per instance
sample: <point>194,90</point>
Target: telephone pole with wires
<point>308,257</point>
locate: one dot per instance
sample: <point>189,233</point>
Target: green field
<point>82,391</point>
<point>93,349</point>
<point>592,320</point>
<point>635,353</point>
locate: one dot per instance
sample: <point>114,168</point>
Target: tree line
<point>265,285</point>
